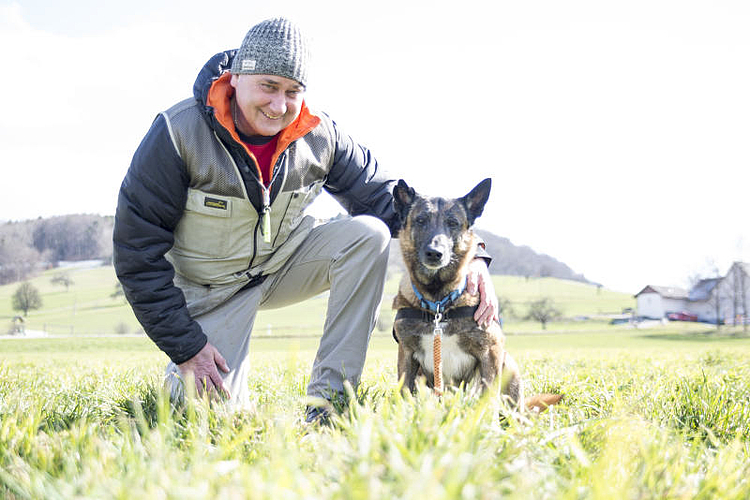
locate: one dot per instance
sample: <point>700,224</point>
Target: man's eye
<point>293,93</point>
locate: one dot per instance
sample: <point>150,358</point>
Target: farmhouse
<point>656,302</point>
<point>723,298</point>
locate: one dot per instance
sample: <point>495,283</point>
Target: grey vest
<point>218,244</point>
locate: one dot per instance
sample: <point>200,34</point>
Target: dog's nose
<point>433,254</point>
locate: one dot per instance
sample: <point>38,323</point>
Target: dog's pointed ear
<point>403,197</point>
<point>476,199</point>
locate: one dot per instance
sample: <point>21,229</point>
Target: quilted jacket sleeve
<point>150,204</point>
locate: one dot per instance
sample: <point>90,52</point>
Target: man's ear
<point>476,199</point>
<point>403,197</point>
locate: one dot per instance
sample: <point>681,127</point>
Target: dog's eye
<point>421,220</point>
<point>453,223</point>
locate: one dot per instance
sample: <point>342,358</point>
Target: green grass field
<point>660,412</point>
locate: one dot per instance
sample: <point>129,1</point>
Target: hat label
<point>248,64</point>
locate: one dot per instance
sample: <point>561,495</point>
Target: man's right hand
<point>203,366</point>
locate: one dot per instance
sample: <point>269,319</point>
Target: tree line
<point>27,247</point>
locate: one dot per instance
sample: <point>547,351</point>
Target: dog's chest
<point>458,365</point>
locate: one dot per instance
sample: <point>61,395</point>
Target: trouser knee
<point>371,232</point>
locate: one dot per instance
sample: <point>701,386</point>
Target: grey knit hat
<point>273,47</point>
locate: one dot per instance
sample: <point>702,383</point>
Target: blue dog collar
<point>440,306</point>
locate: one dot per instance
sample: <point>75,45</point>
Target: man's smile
<point>271,117</point>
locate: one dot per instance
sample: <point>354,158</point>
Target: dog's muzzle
<point>436,253</point>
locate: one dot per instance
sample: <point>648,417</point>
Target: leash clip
<point>438,330</point>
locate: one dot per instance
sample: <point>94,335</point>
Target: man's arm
<point>479,280</point>
<point>150,204</point>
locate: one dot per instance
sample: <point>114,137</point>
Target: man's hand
<point>203,367</point>
<point>479,279</point>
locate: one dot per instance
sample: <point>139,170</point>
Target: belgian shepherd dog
<point>437,243</point>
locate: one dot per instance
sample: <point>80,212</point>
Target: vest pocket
<point>290,211</point>
<point>205,228</point>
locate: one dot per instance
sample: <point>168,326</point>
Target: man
<point>210,227</point>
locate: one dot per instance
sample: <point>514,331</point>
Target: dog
<point>438,244</point>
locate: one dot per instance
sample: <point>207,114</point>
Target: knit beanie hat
<point>273,47</point>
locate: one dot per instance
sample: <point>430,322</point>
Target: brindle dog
<point>437,245</point>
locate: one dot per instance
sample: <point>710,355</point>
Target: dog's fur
<point>438,244</point>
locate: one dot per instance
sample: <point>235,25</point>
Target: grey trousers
<point>347,257</point>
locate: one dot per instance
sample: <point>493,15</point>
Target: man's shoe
<point>317,415</point>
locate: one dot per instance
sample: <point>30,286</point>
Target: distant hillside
<point>512,260</point>
<point>508,260</point>
<point>27,247</point>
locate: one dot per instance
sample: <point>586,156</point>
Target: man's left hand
<point>479,279</point>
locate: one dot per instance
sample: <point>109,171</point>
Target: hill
<point>507,260</point>
<point>511,260</point>
<point>27,247</point>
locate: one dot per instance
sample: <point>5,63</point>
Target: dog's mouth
<point>433,266</point>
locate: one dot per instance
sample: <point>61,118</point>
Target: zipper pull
<point>266,229</point>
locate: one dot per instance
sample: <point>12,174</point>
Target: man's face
<point>266,104</point>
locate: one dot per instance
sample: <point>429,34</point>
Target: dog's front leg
<point>407,368</point>
<point>489,366</point>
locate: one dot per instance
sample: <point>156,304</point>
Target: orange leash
<point>437,358</point>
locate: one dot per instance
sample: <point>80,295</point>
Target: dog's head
<point>436,232</point>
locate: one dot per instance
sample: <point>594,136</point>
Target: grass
<point>662,412</point>
<point>87,307</point>
<point>658,414</point>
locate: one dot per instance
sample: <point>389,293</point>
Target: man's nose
<point>278,104</point>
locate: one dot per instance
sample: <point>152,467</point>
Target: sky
<point>616,134</point>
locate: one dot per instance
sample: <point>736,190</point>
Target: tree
<point>26,297</point>
<point>63,279</point>
<point>72,237</point>
<point>716,300</point>
<point>505,307</point>
<point>736,284</point>
<point>717,295</point>
<point>18,258</point>
<point>543,311</point>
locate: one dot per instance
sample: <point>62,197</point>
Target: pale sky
<point>617,134</point>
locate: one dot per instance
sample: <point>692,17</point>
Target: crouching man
<point>210,228</point>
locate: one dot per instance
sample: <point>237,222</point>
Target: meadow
<point>662,412</point>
